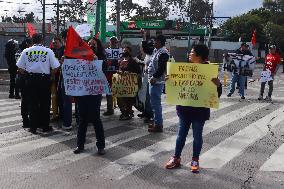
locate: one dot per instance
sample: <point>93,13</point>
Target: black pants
<point>14,90</point>
<point>270,84</point>
<point>24,100</point>
<point>89,112</point>
<point>38,87</point>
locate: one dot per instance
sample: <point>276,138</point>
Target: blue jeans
<point>148,108</point>
<point>235,79</point>
<point>67,107</point>
<point>197,129</point>
<point>155,98</point>
<point>89,112</point>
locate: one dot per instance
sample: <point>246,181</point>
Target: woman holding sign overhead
<point>192,116</point>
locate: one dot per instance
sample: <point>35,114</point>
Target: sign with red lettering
<point>124,85</point>
<point>83,77</point>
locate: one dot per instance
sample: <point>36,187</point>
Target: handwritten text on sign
<point>83,77</point>
<point>190,85</point>
<point>125,85</point>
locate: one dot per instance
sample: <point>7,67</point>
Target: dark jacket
<point>130,66</point>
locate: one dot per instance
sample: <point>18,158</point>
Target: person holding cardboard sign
<point>272,64</point>
<point>127,65</point>
<point>192,116</point>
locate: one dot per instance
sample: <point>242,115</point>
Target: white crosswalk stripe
<point>216,157</point>
<point>221,154</point>
<point>128,164</point>
<point>9,103</point>
<point>275,162</point>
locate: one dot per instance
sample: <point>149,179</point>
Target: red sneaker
<point>194,166</point>
<point>174,162</point>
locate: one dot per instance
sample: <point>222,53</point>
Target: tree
<point>74,12</point>
<point>29,17</point>
<point>197,10</point>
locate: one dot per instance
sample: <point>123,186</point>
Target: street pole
<point>118,18</point>
<point>57,17</point>
<point>98,16</point>
<point>103,21</point>
<point>190,27</point>
<point>210,27</point>
<point>43,20</point>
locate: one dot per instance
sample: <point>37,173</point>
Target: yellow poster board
<point>124,85</point>
<point>190,84</point>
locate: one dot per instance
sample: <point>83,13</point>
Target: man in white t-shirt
<point>37,62</point>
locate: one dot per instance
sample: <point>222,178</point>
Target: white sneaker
<point>66,128</point>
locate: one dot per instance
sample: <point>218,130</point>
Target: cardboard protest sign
<point>125,85</point>
<point>83,77</point>
<point>265,76</point>
<point>190,85</point>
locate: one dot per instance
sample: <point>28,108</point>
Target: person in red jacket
<point>272,63</point>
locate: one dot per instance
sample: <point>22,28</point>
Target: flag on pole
<point>253,39</point>
<point>76,47</point>
<point>31,29</point>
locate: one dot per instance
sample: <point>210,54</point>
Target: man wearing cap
<point>36,62</point>
<point>272,63</point>
<point>156,76</point>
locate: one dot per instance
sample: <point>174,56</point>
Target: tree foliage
<point>268,22</point>
<point>183,10</point>
<point>29,17</point>
<point>74,12</point>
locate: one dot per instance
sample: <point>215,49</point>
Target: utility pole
<point>190,26</point>
<point>211,26</point>
<point>118,18</point>
<point>43,20</point>
<point>98,16</point>
<point>57,18</point>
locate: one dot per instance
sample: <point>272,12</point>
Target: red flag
<point>253,39</point>
<point>76,47</point>
<point>31,29</point>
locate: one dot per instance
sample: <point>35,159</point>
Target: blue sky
<point>221,7</point>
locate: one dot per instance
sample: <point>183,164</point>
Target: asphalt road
<point>243,148</point>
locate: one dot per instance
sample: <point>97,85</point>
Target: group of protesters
<point>34,66</point>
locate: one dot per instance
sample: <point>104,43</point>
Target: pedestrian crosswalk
<point>131,148</point>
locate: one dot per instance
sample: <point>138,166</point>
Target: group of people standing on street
<point>36,64</point>
<point>239,77</point>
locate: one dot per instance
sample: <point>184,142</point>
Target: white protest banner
<point>82,77</point>
<point>114,53</point>
<point>84,30</point>
<point>265,76</point>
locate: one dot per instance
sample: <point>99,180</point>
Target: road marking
<point>7,108</point>
<point>221,154</point>
<point>127,165</point>
<point>12,112</point>
<point>44,142</point>
<point>66,157</point>
<point>5,103</point>
<point>9,119</point>
<point>275,162</point>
